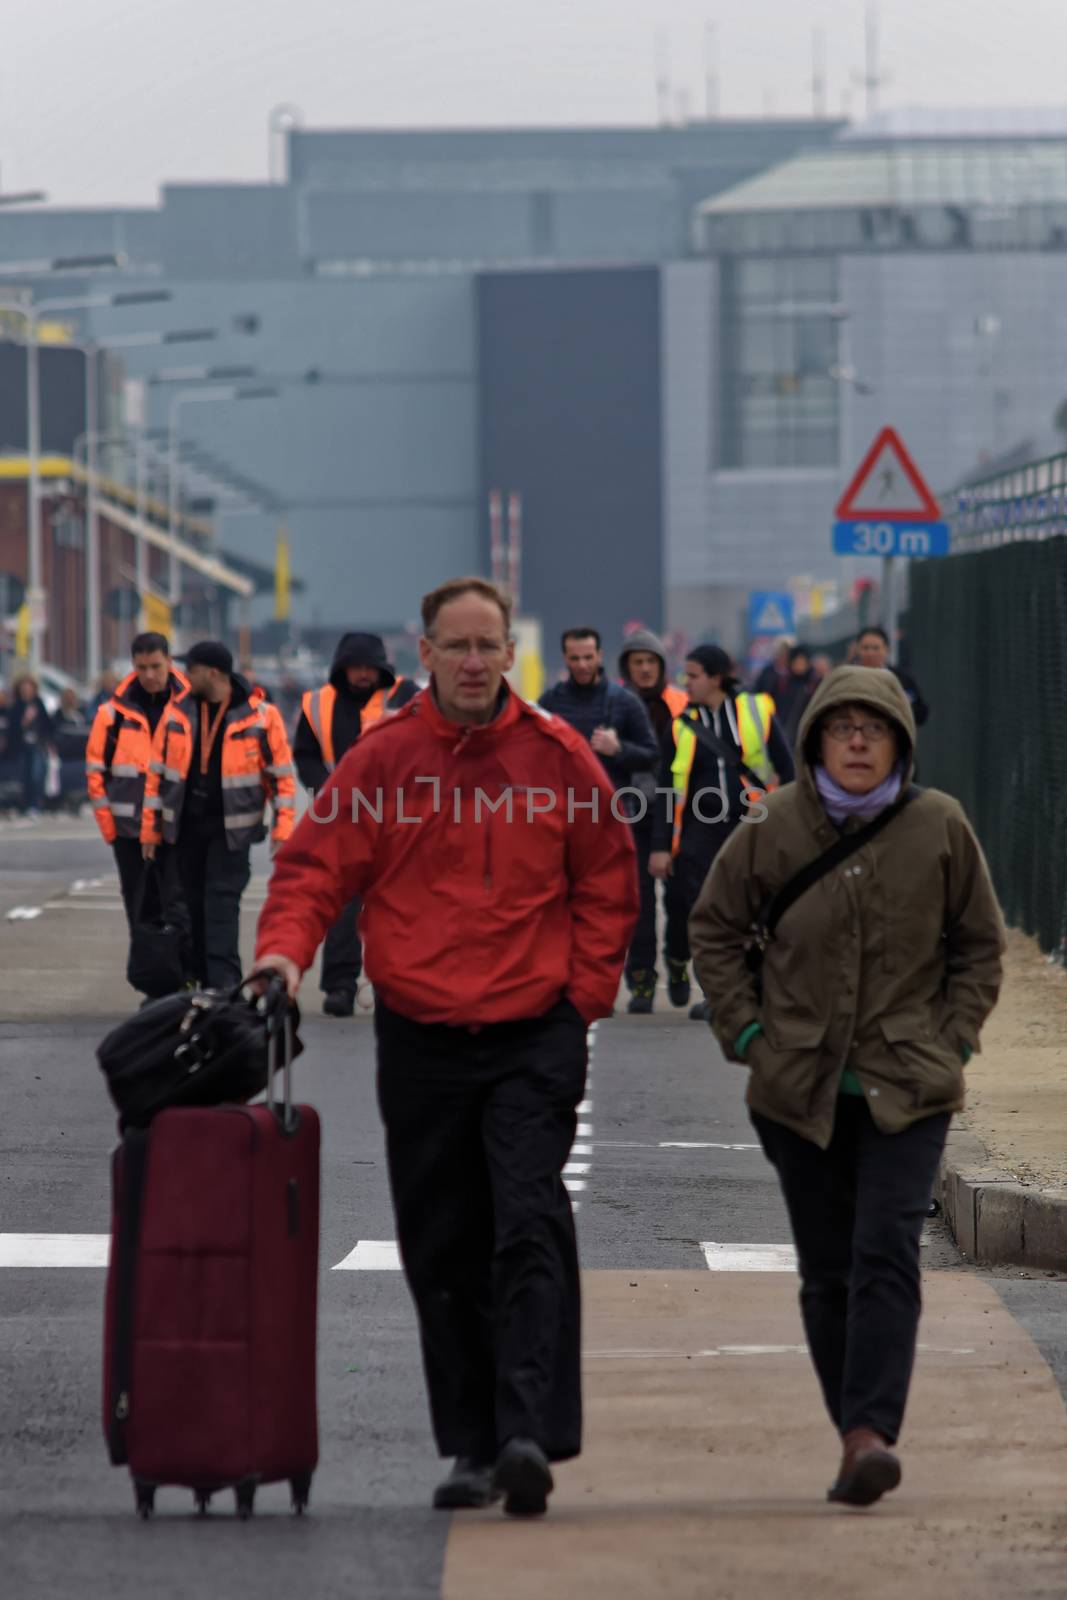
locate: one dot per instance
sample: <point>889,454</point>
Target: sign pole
<point>889,603</point>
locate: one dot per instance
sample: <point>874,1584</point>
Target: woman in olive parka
<point>856,1032</point>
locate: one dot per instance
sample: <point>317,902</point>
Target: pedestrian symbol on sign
<point>770,613</point>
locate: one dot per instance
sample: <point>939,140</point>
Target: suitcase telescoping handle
<point>280,1043</point>
<point>279,1014</point>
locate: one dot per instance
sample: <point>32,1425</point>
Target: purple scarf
<point>839,804</point>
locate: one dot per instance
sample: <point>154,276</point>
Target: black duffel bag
<point>155,964</point>
<point>202,1047</point>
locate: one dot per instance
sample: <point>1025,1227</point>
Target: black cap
<point>210,653</point>
<point>715,661</point>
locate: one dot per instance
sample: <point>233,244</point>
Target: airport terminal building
<point>673,343</point>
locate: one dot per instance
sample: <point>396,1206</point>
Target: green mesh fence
<point>987,637</point>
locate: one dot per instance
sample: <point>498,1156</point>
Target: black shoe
<point>701,1012</point>
<point>678,983</point>
<point>523,1475</point>
<point>643,992</point>
<point>468,1486</point>
<point>339,1003</point>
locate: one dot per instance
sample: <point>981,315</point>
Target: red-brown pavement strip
<point>704,1475</point>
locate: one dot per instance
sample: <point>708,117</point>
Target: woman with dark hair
<point>856,1026</point>
<point>31,738</point>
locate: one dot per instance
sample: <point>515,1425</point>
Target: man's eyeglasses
<point>459,649</point>
<point>842,730</point>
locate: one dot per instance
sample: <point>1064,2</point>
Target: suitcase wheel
<point>203,1501</point>
<point>245,1495</point>
<point>146,1498</point>
<point>300,1489</point>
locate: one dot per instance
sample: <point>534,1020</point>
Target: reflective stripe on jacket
<point>754,713</point>
<point>117,758</point>
<point>256,767</point>
<point>317,705</point>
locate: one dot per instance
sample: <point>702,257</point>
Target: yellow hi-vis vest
<point>754,713</point>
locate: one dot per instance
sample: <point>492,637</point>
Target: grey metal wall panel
<point>442,225</point>
<point>229,230</point>
<point>613,224</point>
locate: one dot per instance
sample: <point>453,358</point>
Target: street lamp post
<point>202,396</point>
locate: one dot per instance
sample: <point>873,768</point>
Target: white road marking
<point>585,1108</point>
<point>581,1149</point>
<point>749,1257</point>
<point>24,913</point>
<point>53,1249</point>
<point>584,1130</point>
<point>575,1185</point>
<point>371,1255</point>
<point>748,1350</point>
<point>675,1144</point>
<point>577,1169</point>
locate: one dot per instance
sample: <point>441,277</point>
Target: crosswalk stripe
<point>371,1255</point>
<point>749,1257</point>
<point>53,1249</point>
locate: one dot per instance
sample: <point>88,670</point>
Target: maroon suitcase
<point>210,1323</point>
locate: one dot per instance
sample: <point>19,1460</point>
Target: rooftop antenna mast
<point>663,78</point>
<point>711,70</point>
<point>818,73</point>
<point>873,78</point>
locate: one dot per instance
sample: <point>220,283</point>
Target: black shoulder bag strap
<point>808,876</point>
<point>724,753</point>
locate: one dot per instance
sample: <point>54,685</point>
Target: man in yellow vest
<point>362,687</point>
<point>727,748</point>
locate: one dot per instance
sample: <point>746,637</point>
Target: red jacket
<point>471,921</point>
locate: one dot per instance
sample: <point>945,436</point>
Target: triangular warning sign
<point>888,484</point>
<point>772,619</point>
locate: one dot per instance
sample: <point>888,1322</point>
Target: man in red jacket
<point>500,892</point>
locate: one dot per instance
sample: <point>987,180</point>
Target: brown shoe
<point>869,1469</point>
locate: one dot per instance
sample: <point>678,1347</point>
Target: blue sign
<point>770,612</point>
<point>883,537</point>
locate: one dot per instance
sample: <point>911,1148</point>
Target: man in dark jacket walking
<point>721,731</point>
<point>872,650</point>
<point>611,718</point>
<point>362,688</point>
<point>643,668</point>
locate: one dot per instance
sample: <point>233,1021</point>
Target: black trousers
<point>213,878</point>
<point>701,843</point>
<point>642,954</point>
<point>342,952</point>
<point>857,1213</point>
<point>131,870</point>
<point>478,1126</point>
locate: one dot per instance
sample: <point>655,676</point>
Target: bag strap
<point>133,1156</point>
<point>846,846</point>
<point>150,870</point>
<point>728,756</point>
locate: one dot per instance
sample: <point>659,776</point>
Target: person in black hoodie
<point>610,716</point>
<point>643,669</point>
<point>362,688</point>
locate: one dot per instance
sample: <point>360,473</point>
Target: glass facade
<point>779,338</point>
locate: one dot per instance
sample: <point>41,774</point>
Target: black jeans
<point>701,843</point>
<point>478,1126</point>
<point>642,954</point>
<point>857,1211</point>
<point>213,878</point>
<point>342,952</point>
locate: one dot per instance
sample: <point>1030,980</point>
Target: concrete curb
<point>994,1219</point>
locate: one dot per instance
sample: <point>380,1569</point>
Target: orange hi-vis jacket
<point>256,767</point>
<point>117,758</point>
<point>676,699</point>
<point>317,705</point>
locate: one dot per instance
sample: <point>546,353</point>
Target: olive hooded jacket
<point>888,965</point>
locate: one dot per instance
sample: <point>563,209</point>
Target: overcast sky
<point>103,100</point>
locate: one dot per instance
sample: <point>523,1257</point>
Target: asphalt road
<point>654,1177</point>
